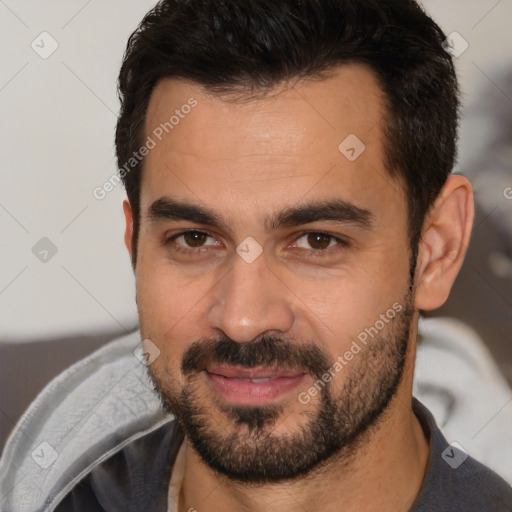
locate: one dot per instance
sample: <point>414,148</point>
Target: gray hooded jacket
<point>97,432</point>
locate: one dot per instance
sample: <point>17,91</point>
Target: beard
<point>337,423</point>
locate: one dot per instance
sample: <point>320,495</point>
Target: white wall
<point>57,124</point>
<point>56,134</point>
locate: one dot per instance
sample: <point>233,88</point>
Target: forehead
<point>316,138</point>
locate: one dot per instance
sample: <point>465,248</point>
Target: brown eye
<point>319,240</point>
<point>192,243</point>
<point>195,238</point>
<point>316,241</point>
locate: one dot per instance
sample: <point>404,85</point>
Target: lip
<point>252,373</point>
<point>235,385</point>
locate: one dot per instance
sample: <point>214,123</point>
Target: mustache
<point>268,351</point>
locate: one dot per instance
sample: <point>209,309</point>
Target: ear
<point>445,238</point>
<point>128,232</point>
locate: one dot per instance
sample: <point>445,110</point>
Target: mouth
<point>252,386</point>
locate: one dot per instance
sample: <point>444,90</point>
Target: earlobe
<point>444,242</point>
<point>128,232</point>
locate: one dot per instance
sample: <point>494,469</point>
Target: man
<point>290,211</point>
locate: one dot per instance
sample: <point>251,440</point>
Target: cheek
<point>346,303</point>
<point>173,312</point>
<point>170,300</point>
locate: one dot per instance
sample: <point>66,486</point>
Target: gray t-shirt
<point>455,481</point>
<point>136,478</point>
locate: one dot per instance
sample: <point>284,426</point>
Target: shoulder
<point>134,478</point>
<point>89,412</point>
<point>456,481</point>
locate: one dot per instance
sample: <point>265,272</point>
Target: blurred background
<point>66,284</point>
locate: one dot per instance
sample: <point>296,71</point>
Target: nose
<point>251,301</point>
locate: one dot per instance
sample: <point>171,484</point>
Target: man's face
<point>265,252</point>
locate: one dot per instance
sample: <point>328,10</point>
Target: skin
<point>247,160</point>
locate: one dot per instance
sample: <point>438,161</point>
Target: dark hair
<point>254,45</point>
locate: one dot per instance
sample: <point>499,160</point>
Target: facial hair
<point>250,451</point>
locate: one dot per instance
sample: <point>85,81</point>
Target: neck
<point>384,472</point>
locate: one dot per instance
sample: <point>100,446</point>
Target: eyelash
<point>311,253</point>
<point>190,250</point>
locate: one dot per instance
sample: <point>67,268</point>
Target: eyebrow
<point>336,210</point>
<point>165,208</point>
